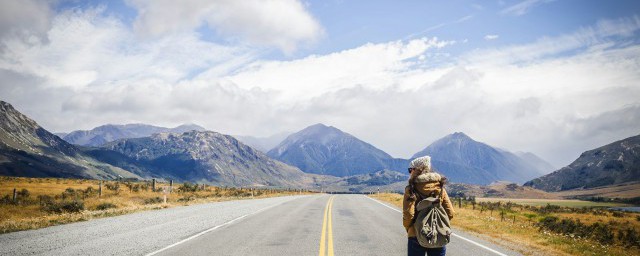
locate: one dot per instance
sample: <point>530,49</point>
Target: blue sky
<point>349,24</point>
<point>551,77</point>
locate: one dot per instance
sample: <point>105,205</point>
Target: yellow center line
<point>330,243</point>
<point>327,227</point>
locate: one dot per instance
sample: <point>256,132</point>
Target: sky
<point>555,78</point>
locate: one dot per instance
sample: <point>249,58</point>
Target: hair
<point>412,191</point>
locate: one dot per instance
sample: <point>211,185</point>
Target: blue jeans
<point>414,249</point>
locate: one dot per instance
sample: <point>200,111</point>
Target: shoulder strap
<point>441,191</point>
<point>415,203</point>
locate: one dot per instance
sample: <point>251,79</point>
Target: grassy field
<point>625,190</point>
<point>43,202</point>
<point>521,227</point>
<point>559,202</point>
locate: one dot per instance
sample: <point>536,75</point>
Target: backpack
<point>433,229</point>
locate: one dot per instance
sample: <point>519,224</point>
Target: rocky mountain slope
<point>28,150</point>
<point>612,164</point>
<point>202,156</point>
<point>110,132</point>
<point>465,160</point>
<point>325,149</point>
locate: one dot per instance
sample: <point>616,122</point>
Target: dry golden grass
<point>520,234</point>
<point>625,190</point>
<point>28,214</point>
<point>543,202</point>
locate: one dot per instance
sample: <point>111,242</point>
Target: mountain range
<point>28,150</point>
<point>327,150</point>
<point>111,132</point>
<point>612,164</point>
<point>201,156</point>
<point>316,154</point>
<point>462,159</point>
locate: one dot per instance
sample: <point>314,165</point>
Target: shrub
<point>629,237</point>
<point>186,199</point>
<point>6,200</point>
<point>69,192</point>
<point>24,193</point>
<point>65,206</point>
<point>153,200</point>
<point>105,206</point>
<point>188,187</point>
<point>603,233</point>
<point>618,214</point>
<point>45,200</point>
<point>113,187</point>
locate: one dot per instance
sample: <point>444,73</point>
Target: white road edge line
<point>458,236</point>
<point>213,228</point>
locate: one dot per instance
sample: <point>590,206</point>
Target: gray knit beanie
<point>425,172</point>
<point>422,164</point>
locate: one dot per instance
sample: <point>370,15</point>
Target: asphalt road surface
<point>297,225</point>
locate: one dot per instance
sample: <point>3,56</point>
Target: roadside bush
<point>65,206</point>
<point>113,187</point>
<point>186,199</point>
<point>44,200</point>
<point>153,200</point>
<point>629,237</point>
<point>618,214</point>
<point>600,232</point>
<point>89,191</point>
<point>133,187</point>
<point>6,200</point>
<point>68,193</point>
<point>23,194</point>
<point>105,206</point>
<point>188,187</point>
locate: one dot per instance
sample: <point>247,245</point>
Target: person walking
<point>424,183</point>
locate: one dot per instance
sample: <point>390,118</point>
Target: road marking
<point>458,236</point>
<point>327,231</point>
<point>213,228</point>
<point>330,244</point>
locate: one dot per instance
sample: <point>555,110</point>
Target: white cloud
<point>86,48</point>
<point>523,7</point>
<point>280,23</point>
<point>603,34</point>
<point>491,37</point>
<point>373,65</point>
<point>94,70</point>
<point>24,17</point>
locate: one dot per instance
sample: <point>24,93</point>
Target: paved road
<point>301,225</point>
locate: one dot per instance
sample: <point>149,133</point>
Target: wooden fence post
<point>170,186</point>
<point>153,185</point>
<point>100,189</point>
<point>15,195</point>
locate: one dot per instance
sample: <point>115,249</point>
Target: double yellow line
<point>327,231</point>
